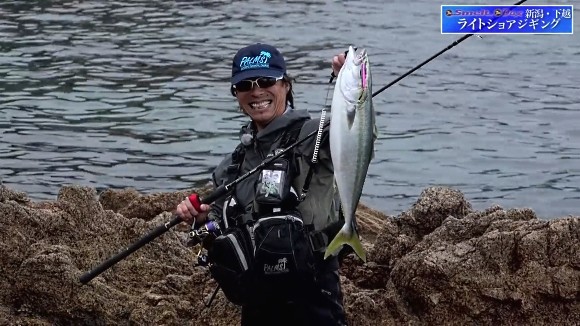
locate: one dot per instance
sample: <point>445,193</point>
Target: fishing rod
<point>449,47</point>
<point>226,189</point>
<point>196,202</point>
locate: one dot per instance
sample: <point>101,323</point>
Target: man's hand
<point>189,214</point>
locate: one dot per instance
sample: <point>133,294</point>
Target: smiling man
<point>286,280</point>
<point>260,83</point>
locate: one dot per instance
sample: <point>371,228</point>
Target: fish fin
<point>342,238</point>
<point>350,115</point>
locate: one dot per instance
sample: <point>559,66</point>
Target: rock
<point>131,204</point>
<point>440,262</point>
<point>17,196</point>
<point>433,206</point>
<point>116,200</point>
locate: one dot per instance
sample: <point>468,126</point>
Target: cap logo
<point>260,61</point>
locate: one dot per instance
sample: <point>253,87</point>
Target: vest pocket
<point>231,262</point>
<point>283,259</point>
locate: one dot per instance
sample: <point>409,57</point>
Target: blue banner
<point>507,19</point>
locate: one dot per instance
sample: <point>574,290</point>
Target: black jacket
<point>321,204</point>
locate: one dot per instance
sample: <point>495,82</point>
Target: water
<point>135,94</point>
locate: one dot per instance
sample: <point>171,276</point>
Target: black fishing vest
<point>289,137</point>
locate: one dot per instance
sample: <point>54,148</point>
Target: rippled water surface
<point>135,94</point>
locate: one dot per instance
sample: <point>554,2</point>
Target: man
<point>263,90</point>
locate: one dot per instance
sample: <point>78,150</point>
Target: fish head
<point>355,80</point>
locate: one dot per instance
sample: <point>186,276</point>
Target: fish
<point>352,132</point>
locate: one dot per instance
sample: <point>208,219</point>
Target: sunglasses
<point>262,82</point>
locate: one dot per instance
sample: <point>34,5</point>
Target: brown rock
<point>433,206</point>
<point>115,199</point>
<point>129,203</point>
<point>438,263</point>
<point>17,196</point>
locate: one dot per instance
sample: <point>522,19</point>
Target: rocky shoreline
<point>439,262</point>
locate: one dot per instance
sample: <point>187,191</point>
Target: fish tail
<point>344,237</point>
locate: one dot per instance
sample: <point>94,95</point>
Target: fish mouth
<point>360,57</point>
<point>355,89</point>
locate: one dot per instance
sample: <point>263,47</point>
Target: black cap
<point>257,60</point>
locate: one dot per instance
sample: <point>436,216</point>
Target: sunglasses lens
<point>266,82</point>
<point>244,86</point>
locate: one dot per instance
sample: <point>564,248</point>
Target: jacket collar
<point>271,132</point>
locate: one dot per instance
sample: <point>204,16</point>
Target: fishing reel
<point>203,235</point>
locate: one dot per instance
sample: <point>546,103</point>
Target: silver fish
<point>352,135</point>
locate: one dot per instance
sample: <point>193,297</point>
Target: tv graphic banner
<point>507,19</point>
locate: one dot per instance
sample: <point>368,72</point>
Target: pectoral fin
<point>350,115</point>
